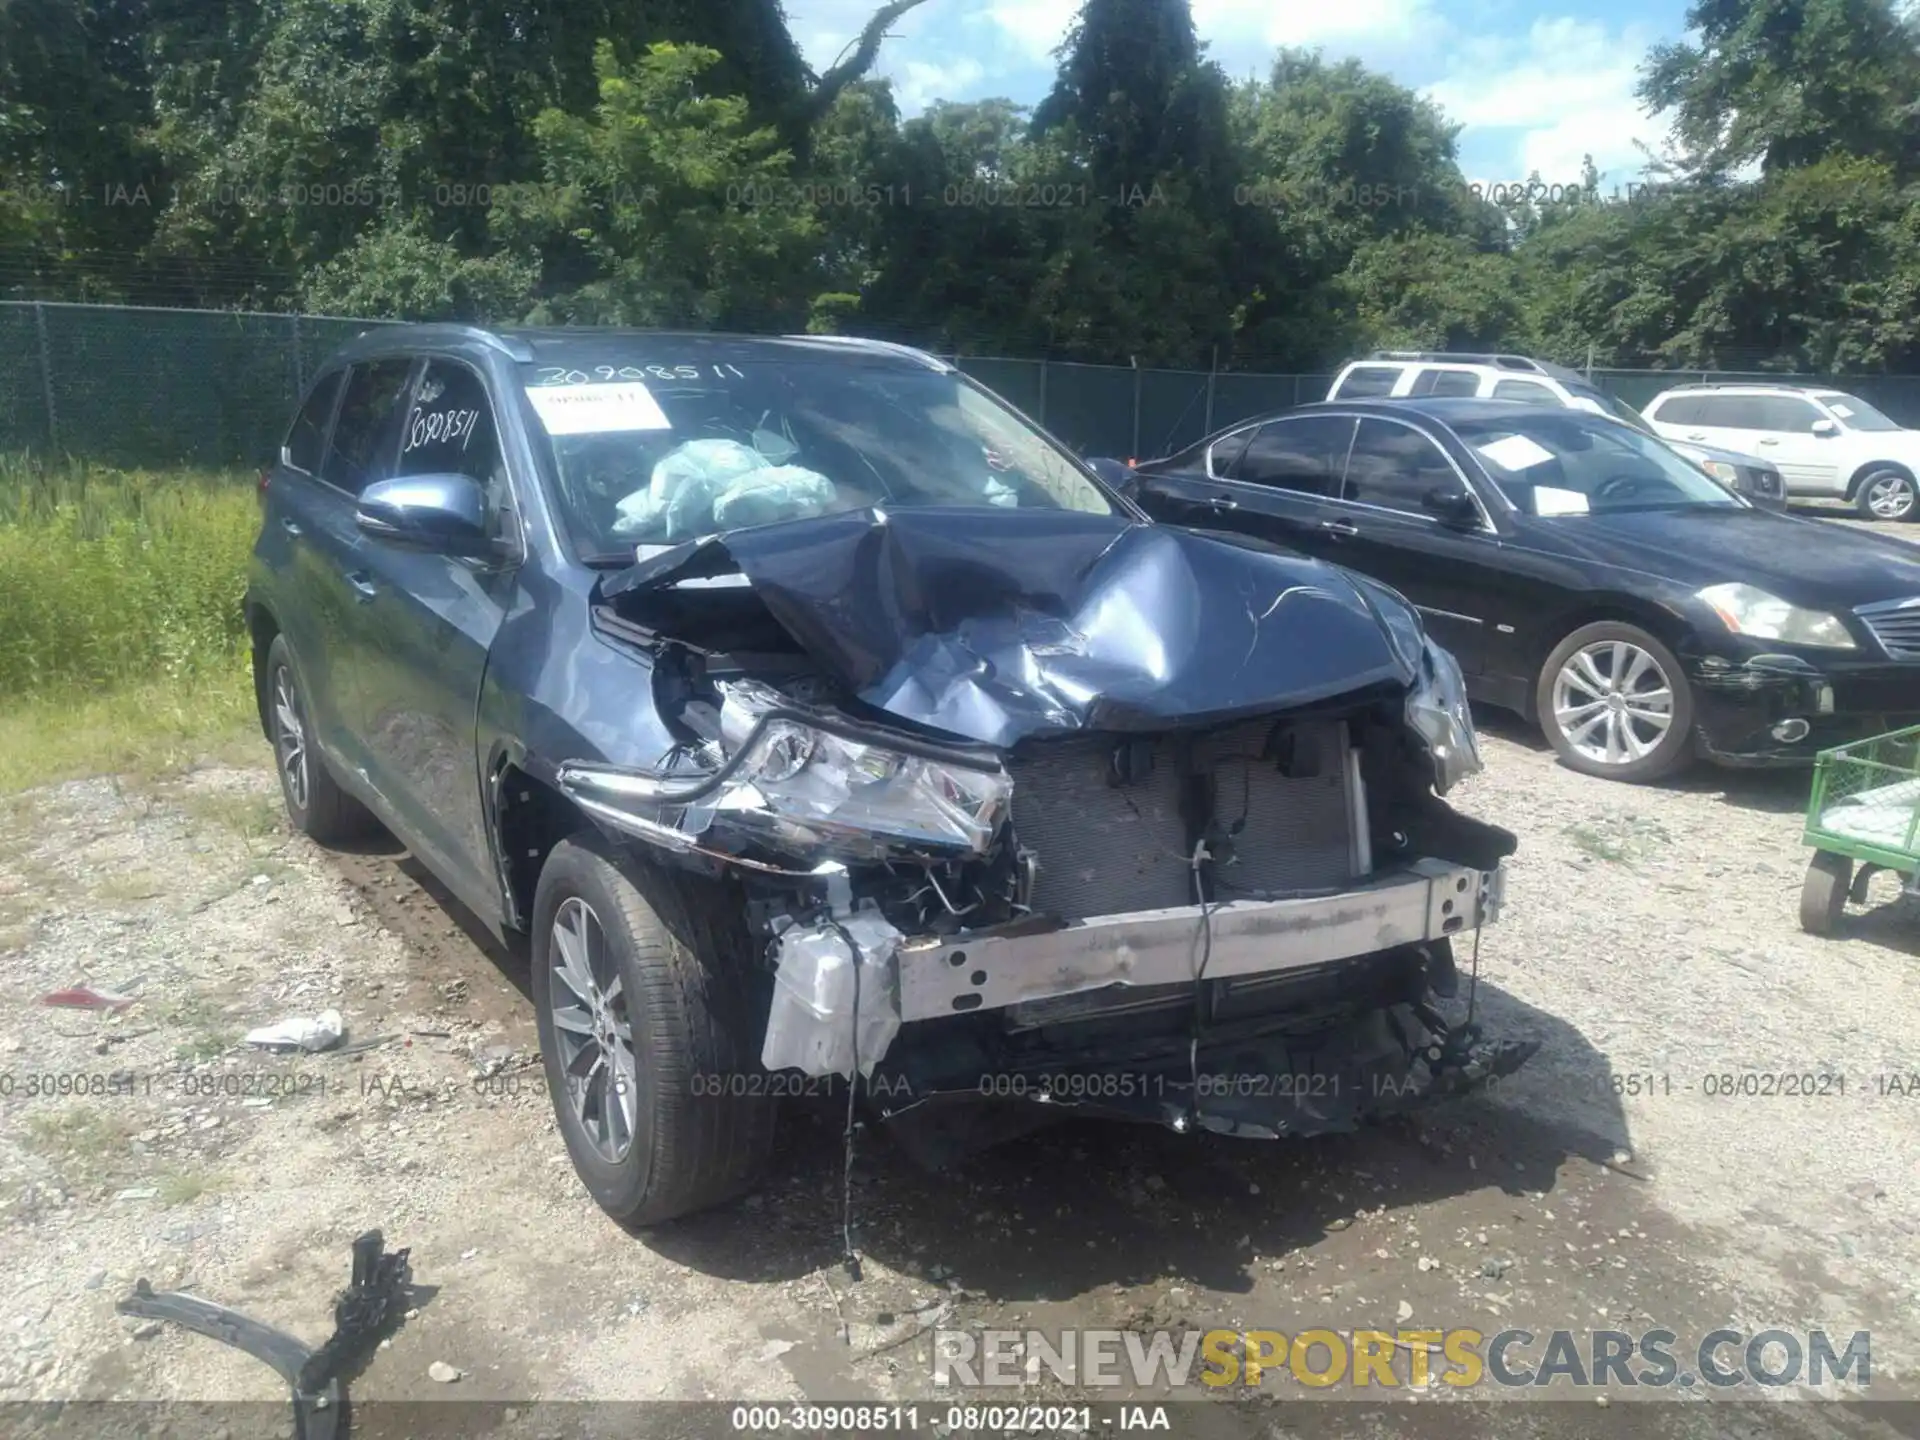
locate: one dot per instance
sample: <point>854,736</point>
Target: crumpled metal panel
<point>995,625</point>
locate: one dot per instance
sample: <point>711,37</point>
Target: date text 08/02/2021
<point>1013,1419</point>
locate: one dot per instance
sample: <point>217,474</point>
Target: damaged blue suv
<point>822,721</point>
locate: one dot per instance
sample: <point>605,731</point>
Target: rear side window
<point>309,431</point>
<point>1453,382</point>
<point>1729,412</point>
<point>1526,392</point>
<point>366,436</point>
<point>1367,380</point>
<point>1303,455</point>
<point>1677,410</point>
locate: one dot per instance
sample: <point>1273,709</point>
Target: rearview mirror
<point>1825,427</point>
<point>442,513</point>
<point>1451,505</point>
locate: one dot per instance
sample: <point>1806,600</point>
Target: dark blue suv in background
<point>821,720</point>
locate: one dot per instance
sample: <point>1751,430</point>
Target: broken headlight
<point>1437,709</point>
<point>811,785</point>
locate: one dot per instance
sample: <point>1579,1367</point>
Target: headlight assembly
<point>1747,610</point>
<point>1437,709</point>
<point>805,788</point>
<point>1720,470</point>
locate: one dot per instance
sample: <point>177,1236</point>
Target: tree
<point>1790,82</point>
<point>677,209</point>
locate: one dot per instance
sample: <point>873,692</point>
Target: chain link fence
<point>123,385</point>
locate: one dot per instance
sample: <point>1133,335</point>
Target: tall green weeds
<point>119,589</point>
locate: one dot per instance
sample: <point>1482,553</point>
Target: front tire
<point>650,1027</point>
<point>1613,702</point>
<point>1887,494</point>
<point>316,805</point>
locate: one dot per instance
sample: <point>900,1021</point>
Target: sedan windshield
<point>648,455</point>
<point>1856,413</point>
<point>1567,463</point>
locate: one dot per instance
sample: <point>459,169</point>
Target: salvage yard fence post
<point>46,378</point>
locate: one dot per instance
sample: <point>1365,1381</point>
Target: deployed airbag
<point>706,485</point>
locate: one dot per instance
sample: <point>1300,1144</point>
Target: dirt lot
<point>1649,933</point>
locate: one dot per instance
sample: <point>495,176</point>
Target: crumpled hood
<point>994,625</point>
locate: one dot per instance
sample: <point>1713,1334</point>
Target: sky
<point>1535,84</point>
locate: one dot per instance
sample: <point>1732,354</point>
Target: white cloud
<point>1231,27</point>
<point>1036,26</point>
<point>1565,87</point>
<point>918,83</point>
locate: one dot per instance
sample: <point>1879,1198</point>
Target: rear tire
<point>1887,494</point>
<point>316,805</point>
<point>670,982</point>
<point>1574,699</point>
<point>1823,896</point>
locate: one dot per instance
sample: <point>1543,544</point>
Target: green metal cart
<point>1864,811</point>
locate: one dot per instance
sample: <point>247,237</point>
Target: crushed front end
<point>1239,918</point>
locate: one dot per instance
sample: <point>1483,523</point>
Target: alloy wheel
<point>593,1029</point>
<point>1613,702</point>
<point>290,737</point>
<point>1890,497</point>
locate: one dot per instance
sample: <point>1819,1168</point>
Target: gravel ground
<point>1649,933</point>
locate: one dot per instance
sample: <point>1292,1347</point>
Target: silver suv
<point>1827,443</point>
<point>1402,374</point>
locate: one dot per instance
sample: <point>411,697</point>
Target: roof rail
<point>1747,385</point>
<point>1504,362</point>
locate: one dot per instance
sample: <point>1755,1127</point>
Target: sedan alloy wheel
<point>1613,702</point>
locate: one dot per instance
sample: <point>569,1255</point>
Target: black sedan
<point>1582,574</point>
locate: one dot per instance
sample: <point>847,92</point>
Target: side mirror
<point>1451,505</point>
<point>1825,427</point>
<point>442,513</point>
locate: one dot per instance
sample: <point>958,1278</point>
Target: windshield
<point>1565,463</point>
<point>654,454</point>
<point>1855,413</point>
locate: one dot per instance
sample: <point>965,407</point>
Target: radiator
<point>1105,848</point>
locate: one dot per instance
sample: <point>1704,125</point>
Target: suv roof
<point>1517,364</point>
<point>1763,386</point>
<point>527,345</point>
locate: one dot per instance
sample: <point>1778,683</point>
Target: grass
<point>122,645</point>
<point>85,1143</point>
<point>184,1185</point>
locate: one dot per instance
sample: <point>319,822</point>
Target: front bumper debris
<point>942,976</point>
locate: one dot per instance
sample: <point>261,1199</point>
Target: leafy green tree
<point>679,209</point>
<point>1789,82</point>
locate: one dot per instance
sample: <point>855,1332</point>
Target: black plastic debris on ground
<point>317,1378</point>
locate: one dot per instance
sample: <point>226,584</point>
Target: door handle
<point>1769,440</point>
<point>1695,435</point>
<point>363,587</point>
<point>290,525</point>
<point>1221,503</point>
<point>1340,528</point>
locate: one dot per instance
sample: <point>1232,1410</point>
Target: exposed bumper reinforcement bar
<point>942,976</point>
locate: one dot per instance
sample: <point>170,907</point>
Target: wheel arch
<point>262,628</point>
<point>1870,467</point>
<point>526,818</point>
